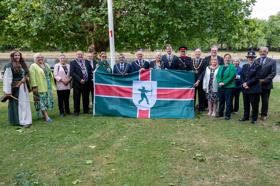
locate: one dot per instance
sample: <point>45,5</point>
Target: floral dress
<point>45,98</point>
<point>211,96</point>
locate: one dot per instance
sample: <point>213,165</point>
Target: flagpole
<point>111,33</point>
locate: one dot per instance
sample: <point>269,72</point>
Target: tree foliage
<point>83,24</point>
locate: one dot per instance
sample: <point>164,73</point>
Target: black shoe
<point>244,119</point>
<point>253,122</point>
<point>218,116</point>
<point>62,114</point>
<point>88,112</point>
<point>76,113</point>
<point>69,113</point>
<point>200,112</point>
<point>227,118</point>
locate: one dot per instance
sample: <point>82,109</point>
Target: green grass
<point>131,151</point>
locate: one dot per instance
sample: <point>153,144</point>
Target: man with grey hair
<point>93,65</point>
<point>268,73</point>
<point>214,53</point>
<point>122,67</point>
<point>140,63</point>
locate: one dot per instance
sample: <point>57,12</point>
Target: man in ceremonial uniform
<point>139,64</point>
<point>182,62</point>
<point>80,70</point>
<point>168,58</point>
<point>93,67</point>
<point>198,65</point>
<point>268,73</point>
<point>214,52</point>
<point>122,67</point>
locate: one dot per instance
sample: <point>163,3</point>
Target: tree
<point>273,31</point>
<point>83,24</point>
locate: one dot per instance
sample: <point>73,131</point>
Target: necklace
<point>120,70</point>
<point>139,65</point>
<point>196,69</point>
<point>108,67</point>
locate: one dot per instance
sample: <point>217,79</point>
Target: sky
<point>264,8</point>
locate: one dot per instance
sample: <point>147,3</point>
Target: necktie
<point>261,61</point>
<point>196,62</point>
<point>85,74</point>
<point>169,57</point>
<point>122,67</point>
<point>140,62</point>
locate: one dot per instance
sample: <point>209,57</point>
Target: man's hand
<point>262,81</point>
<point>196,84</point>
<point>142,69</point>
<point>244,85</point>
<point>204,89</point>
<point>82,81</point>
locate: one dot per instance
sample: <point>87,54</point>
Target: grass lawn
<point>131,151</point>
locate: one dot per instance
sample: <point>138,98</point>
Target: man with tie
<point>93,65</point>
<point>80,70</point>
<point>122,67</point>
<point>268,73</point>
<point>182,62</point>
<point>139,64</point>
<point>168,58</point>
<point>198,65</point>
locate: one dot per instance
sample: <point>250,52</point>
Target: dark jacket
<point>136,67</point>
<point>220,60</point>
<point>268,72</point>
<point>201,70</point>
<point>153,65</point>
<point>166,61</point>
<point>238,83</point>
<point>77,74</point>
<point>251,76</point>
<point>182,64</point>
<point>117,69</point>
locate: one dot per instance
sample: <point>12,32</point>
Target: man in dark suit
<point>268,73</point>
<point>168,58</point>
<point>198,65</point>
<point>214,53</point>
<point>251,87</point>
<point>93,67</point>
<point>80,70</point>
<point>182,62</point>
<point>122,67</point>
<point>140,63</point>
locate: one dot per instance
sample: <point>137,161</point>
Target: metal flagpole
<point>111,33</point>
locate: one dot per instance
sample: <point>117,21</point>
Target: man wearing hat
<point>268,73</point>
<point>182,62</point>
<point>251,87</point>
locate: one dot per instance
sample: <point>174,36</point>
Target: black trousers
<point>265,99</point>
<point>254,99</point>
<point>77,98</point>
<point>63,97</point>
<point>91,90</point>
<point>201,98</point>
<point>225,96</point>
<point>235,96</point>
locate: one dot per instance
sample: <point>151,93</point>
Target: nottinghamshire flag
<point>145,94</point>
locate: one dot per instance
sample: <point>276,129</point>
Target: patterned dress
<point>211,96</point>
<point>46,98</point>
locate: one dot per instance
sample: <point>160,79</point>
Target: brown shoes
<point>263,118</point>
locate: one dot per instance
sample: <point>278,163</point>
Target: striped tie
<point>85,74</point>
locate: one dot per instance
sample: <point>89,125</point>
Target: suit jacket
<point>178,65</point>
<point>251,76</point>
<point>268,72</point>
<point>201,70</point>
<point>93,67</point>
<point>60,74</point>
<point>238,81</point>
<point>117,69</point>
<point>220,60</point>
<point>136,67</point>
<point>77,74</point>
<point>166,61</point>
<point>153,65</point>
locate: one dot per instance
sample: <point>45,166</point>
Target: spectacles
<point>103,56</point>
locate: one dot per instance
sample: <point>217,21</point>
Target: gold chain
<point>124,69</point>
<point>196,71</point>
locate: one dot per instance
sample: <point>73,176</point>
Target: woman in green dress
<point>15,73</point>
<point>103,65</point>
<point>42,83</point>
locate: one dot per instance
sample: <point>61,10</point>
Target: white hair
<point>265,48</point>
<point>138,51</point>
<point>61,55</point>
<point>157,54</point>
<point>36,55</point>
<point>236,60</point>
<point>121,55</point>
<point>214,46</point>
<point>198,49</point>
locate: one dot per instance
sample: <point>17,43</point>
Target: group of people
<point>218,81</point>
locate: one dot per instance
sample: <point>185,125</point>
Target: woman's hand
<point>8,95</point>
<point>204,89</point>
<point>221,84</point>
<point>35,90</point>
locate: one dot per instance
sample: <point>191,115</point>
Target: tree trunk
<point>227,48</point>
<point>97,47</point>
<point>277,49</point>
<point>252,48</point>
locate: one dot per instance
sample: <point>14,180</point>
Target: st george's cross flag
<point>145,94</point>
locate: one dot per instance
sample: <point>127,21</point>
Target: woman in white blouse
<point>63,85</point>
